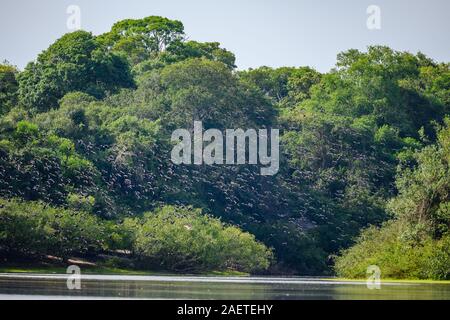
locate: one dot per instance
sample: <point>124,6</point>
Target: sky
<point>266,32</point>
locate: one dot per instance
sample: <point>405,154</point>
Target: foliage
<point>183,239</point>
<point>141,39</point>
<point>87,127</point>
<point>287,86</point>
<point>385,84</point>
<point>180,51</point>
<point>207,91</point>
<point>154,42</point>
<point>396,257</point>
<point>33,228</point>
<point>415,244</point>
<point>75,62</point>
<point>8,87</point>
<point>424,191</point>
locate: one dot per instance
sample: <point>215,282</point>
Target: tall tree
<point>140,39</point>
<point>8,87</point>
<point>75,62</point>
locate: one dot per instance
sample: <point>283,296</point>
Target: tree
<point>272,82</point>
<point>347,174</point>
<point>183,239</point>
<point>423,201</point>
<point>415,244</point>
<point>287,85</point>
<point>385,84</point>
<point>179,51</point>
<point>35,229</point>
<point>83,137</point>
<point>142,39</point>
<point>8,87</point>
<point>205,90</point>
<point>75,62</point>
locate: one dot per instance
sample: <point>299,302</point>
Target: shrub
<point>80,202</point>
<point>438,265</point>
<point>396,256</point>
<point>417,243</point>
<point>26,131</point>
<point>32,228</point>
<point>183,239</point>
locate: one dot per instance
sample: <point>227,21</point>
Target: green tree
<point>385,84</point>
<point>33,228</point>
<point>183,239</point>
<point>75,62</point>
<point>141,39</point>
<point>204,90</point>
<point>415,243</point>
<point>286,85</point>
<point>179,51</point>
<point>8,87</point>
<point>424,191</point>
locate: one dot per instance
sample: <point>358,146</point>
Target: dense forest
<point>85,170</point>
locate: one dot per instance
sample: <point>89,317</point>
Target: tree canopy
<point>85,130</point>
<point>75,62</point>
<point>8,87</point>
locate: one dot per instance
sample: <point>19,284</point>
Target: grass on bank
<point>98,269</point>
<point>388,280</point>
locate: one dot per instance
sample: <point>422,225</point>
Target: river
<point>39,286</point>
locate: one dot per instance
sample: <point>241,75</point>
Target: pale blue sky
<point>264,32</point>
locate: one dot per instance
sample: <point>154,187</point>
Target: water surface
<point>39,286</point>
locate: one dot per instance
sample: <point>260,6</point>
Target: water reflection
<point>239,288</point>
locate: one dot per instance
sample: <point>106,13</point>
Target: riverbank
<point>105,270</point>
<point>46,268</point>
<point>388,280</point>
<point>43,268</point>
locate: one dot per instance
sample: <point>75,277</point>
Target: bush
<point>438,265</point>
<point>417,243</point>
<point>80,202</point>
<point>183,239</point>
<point>397,257</point>
<point>35,229</point>
<point>26,131</point>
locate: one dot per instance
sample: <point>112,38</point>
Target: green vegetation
<point>31,228</point>
<point>85,141</point>
<point>388,280</point>
<point>416,244</point>
<point>99,267</point>
<point>48,268</point>
<point>8,87</point>
<point>182,239</point>
<point>75,62</point>
<point>172,238</point>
